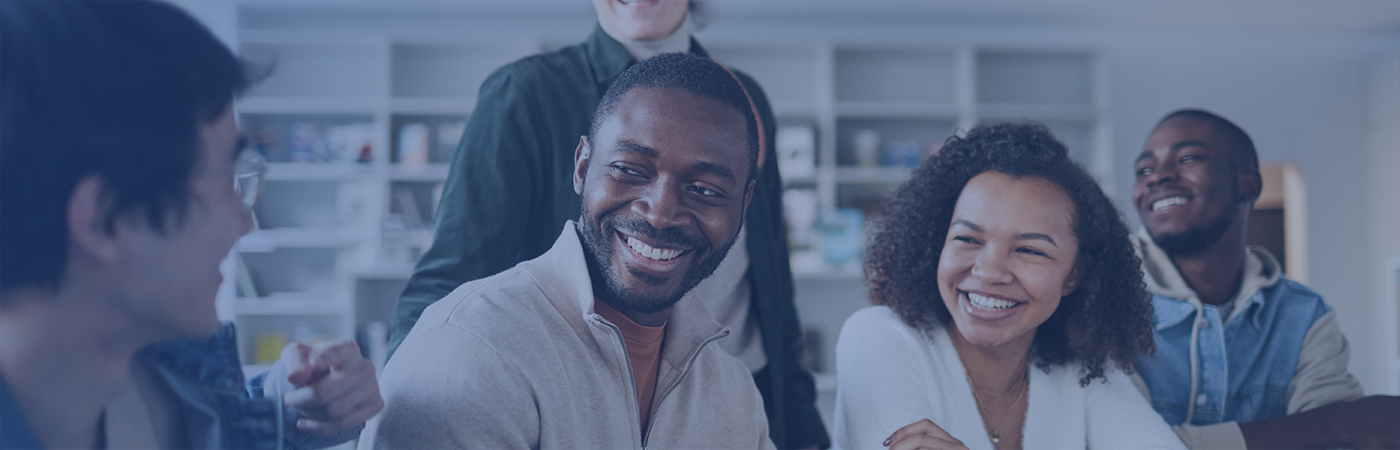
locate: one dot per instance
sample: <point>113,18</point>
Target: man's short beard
<point>599,256</point>
<point>1195,240</point>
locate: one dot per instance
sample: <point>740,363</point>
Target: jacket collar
<point>609,57</point>
<point>1261,271</point>
<point>562,273</point>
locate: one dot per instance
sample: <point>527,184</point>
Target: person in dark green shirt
<point>509,191</point>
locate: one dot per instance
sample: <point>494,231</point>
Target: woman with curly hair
<point>998,255</point>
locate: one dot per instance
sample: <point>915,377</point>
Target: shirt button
<point>1201,400</point>
<point>1203,323</point>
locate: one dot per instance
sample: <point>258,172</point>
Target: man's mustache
<point>671,236</point>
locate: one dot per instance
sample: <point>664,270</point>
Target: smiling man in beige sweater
<point>596,344</point>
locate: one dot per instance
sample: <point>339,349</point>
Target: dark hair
<point>1243,154</point>
<point>1107,317</point>
<point>696,75</point>
<point>113,89</point>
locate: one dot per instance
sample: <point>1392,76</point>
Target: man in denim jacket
<point>1245,356</point>
<point>122,187</point>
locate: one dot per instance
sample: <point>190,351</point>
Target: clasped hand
<point>923,435</point>
<point>334,386</point>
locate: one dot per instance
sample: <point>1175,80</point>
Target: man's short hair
<point>697,75</point>
<point>113,89</point>
<point>1242,153</point>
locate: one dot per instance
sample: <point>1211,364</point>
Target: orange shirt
<point>643,345</point>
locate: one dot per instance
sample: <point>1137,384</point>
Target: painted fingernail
<point>887,441</point>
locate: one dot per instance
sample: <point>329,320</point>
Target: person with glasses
<point>123,186</point>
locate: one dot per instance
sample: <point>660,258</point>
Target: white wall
<point>1383,158</point>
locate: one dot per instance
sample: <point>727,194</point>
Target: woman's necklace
<point>1023,385</point>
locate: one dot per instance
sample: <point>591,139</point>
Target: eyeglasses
<point>247,176</point>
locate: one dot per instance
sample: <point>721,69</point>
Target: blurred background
<point>368,99</point>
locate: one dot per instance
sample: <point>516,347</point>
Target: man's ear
<point>581,156</point>
<point>748,196</point>
<point>89,232</point>
<point>1251,184</point>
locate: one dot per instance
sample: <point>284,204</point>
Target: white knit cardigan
<point>890,375</point>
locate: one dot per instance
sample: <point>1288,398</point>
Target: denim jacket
<point>221,410</point>
<point>1279,352</point>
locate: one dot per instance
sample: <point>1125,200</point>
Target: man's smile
<point>653,257</point>
<point>659,254</point>
<point>1168,202</point>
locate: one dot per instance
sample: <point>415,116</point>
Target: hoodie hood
<point>1261,271</point>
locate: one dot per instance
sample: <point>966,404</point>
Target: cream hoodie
<point>520,360</point>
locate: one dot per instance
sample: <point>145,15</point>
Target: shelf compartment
<point>267,240</point>
<point>314,69</point>
<point>787,75</point>
<point>315,204</point>
<point>416,202</point>
<point>1035,77</point>
<point>435,135</point>
<point>444,69</point>
<point>320,138</point>
<point>292,272</point>
<point>872,175</point>
<point>892,137</point>
<point>376,299</point>
<point>276,331</point>
<point>865,197</point>
<point>895,75</point>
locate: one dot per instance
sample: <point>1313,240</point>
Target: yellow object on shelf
<point>269,347</point>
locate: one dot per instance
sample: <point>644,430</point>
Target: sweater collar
<point>1261,271</point>
<point>562,273</point>
<point>609,57</point>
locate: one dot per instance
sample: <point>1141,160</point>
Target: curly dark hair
<point>1107,317</point>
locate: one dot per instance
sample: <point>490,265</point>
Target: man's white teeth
<point>987,303</point>
<point>1166,202</point>
<point>659,254</point>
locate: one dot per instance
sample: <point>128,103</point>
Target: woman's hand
<point>923,435</point>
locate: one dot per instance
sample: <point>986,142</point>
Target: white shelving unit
<point>320,261</point>
<point>903,94</point>
<point>340,227</point>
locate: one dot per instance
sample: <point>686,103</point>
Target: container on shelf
<point>796,151</point>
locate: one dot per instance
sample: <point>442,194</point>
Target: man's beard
<point>1194,240</point>
<point>599,256</point>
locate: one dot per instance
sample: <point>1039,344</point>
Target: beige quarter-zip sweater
<point>521,360</point>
